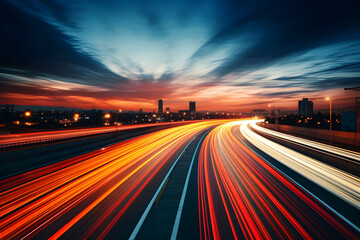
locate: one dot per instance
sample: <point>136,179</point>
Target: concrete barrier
<point>341,137</point>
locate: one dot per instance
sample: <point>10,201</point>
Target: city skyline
<point>128,54</point>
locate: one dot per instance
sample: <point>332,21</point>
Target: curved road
<point>242,195</point>
<point>240,184</point>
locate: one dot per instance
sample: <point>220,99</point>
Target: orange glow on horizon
<point>226,102</point>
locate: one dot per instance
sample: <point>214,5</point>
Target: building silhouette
<point>306,107</point>
<point>192,107</point>
<point>259,112</point>
<point>160,106</point>
<point>167,109</point>
<point>7,108</point>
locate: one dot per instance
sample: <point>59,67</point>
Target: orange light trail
<point>240,195</point>
<point>56,134</point>
<point>76,187</point>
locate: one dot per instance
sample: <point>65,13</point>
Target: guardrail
<point>340,137</point>
<point>47,140</point>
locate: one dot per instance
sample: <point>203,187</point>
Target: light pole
<point>357,104</point>
<point>276,116</point>
<point>329,99</point>
<point>116,116</point>
<point>76,117</point>
<point>107,117</point>
<point>270,109</point>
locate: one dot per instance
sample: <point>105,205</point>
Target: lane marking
<point>151,203</point>
<point>306,190</point>
<point>161,192</point>
<point>163,188</point>
<point>182,200</point>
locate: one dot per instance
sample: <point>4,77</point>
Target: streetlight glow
<point>107,115</point>
<point>27,114</point>
<point>329,99</point>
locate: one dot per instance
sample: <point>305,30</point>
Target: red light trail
<point>240,195</point>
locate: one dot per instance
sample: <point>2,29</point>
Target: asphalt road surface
<point>206,180</point>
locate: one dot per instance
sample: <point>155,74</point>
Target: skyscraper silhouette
<point>192,107</point>
<point>160,106</point>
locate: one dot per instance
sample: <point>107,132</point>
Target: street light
<point>116,116</point>
<point>276,116</point>
<point>329,99</point>
<point>27,113</point>
<point>76,116</point>
<point>357,104</point>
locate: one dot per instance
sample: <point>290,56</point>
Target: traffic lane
<point>189,223</point>
<point>342,208</point>
<point>342,152</point>
<point>46,196</point>
<point>242,196</point>
<point>22,160</point>
<point>120,208</point>
<point>349,165</point>
<point>340,183</point>
<point>164,214</point>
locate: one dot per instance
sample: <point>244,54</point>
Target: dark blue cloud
<point>280,29</point>
<point>39,49</point>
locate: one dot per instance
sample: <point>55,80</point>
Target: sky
<point>226,55</point>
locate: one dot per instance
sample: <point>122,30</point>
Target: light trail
<point>317,145</point>
<point>340,183</point>
<point>57,134</point>
<point>78,187</point>
<point>240,195</point>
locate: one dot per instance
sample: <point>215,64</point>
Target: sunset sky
<point>225,55</point>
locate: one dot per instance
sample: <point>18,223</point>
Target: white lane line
<point>306,190</point>
<point>148,208</point>
<point>182,200</point>
<point>313,144</point>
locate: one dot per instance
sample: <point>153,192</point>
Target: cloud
<point>288,28</point>
<point>336,82</point>
<point>38,48</point>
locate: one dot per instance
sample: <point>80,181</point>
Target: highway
<point>204,180</point>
